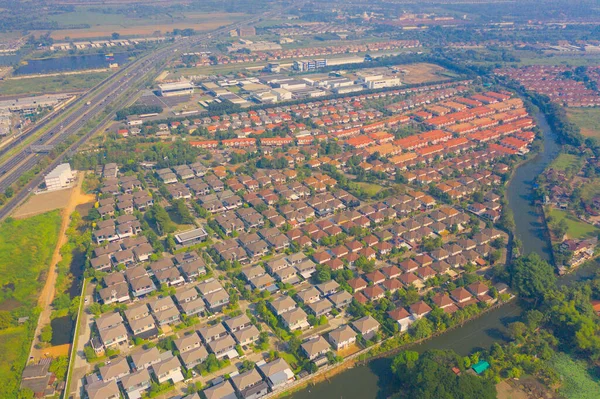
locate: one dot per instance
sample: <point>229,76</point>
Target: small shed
<point>480,366</point>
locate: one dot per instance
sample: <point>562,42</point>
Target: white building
<point>60,177</point>
<point>379,81</point>
<point>176,89</point>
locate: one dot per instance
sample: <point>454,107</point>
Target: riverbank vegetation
<point>26,248</point>
<point>439,374</point>
<point>557,339</point>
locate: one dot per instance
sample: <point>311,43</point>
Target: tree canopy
<point>430,376</point>
<point>531,276</point>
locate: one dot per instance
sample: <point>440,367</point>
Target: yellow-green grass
<point>14,346</point>
<point>566,161</point>
<point>588,120</point>
<point>52,84</point>
<point>577,229</point>
<point>26,248</point>
<point>369,188</point>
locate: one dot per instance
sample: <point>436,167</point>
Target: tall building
<point>246,31</point>
<point>59,177</point>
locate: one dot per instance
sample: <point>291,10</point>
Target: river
<point>374,380</point>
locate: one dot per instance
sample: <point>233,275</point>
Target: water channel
<point>374,380</point>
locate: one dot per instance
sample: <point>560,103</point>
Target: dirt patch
<point>56,351</point>
<point>42,203</point>
<point>524,388</point>
<point>506,391</point>
<point>45,202</point>
<point>422,73</point>
<point>10,304</point>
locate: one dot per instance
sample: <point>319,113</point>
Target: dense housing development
<point>242,204</point>
<point>289,247</point>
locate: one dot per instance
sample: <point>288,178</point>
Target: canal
<point>374,379</point>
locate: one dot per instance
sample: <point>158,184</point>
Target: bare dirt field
<point>422,73</point>
<point>42,203</point>
<point>506,391</point>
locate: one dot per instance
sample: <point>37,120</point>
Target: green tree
<point>46,334</point>
<point>531,276</point>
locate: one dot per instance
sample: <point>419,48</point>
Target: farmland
<point>126,25</point>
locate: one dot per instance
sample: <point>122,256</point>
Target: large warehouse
<point>175,89</point>
<point>60,177</point>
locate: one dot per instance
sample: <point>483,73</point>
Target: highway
<point>107,93</point>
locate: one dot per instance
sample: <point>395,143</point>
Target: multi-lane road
<point>109,92</point>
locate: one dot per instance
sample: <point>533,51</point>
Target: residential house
<point>277,373</point>
<point>342,337</point>
<point>144,359</point>
<point>250,385</point>
<point>367,326</point>
<point>115,370</point>
<point>315,348</point>
<point>168,370</point>
<point>223,390</point>
<point>136,384</point>
<point>223,347</point>
<point>295,319</point>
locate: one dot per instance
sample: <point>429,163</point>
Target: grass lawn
<point>566,161</point>
<point>588,120</point>
<point>370,188</point>
<point>578,382</point>
<point>52,84</point>
<point>14,347</point>
<point>577,228</point>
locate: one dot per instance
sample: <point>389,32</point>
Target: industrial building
<point>175,89</point>
<point>60,177</point>
<point>378,81</point>
<point>317,63</point>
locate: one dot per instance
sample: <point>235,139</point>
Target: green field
<point>588,120</point>
<point>369,188</point>
<point>577,228</point>
<point>52,84</point>
<point>26,248</point>
<point>566,161</point>
<point>578,382</point>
